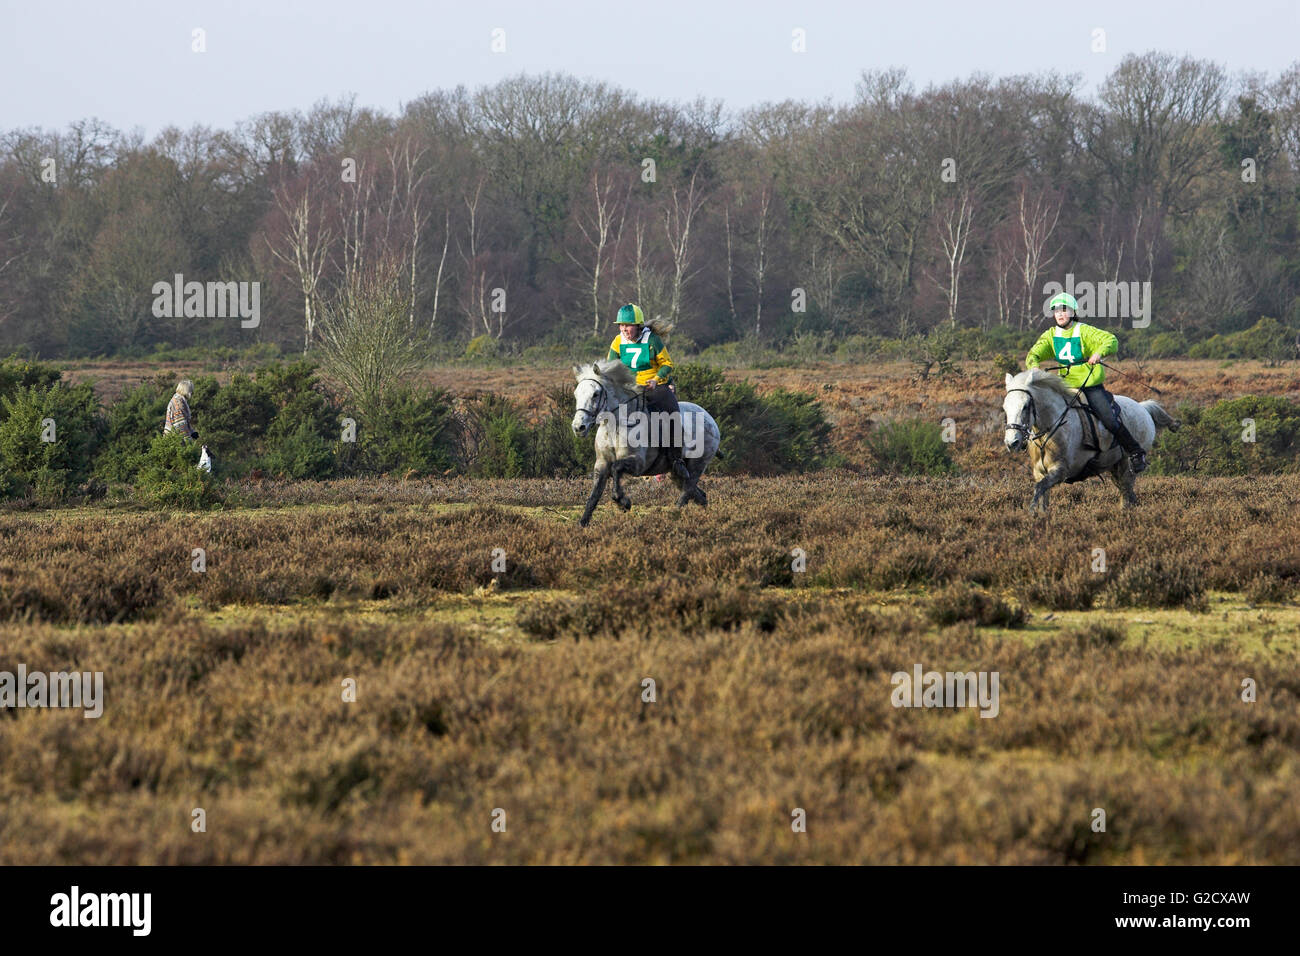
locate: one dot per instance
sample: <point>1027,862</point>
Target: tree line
<point>528,211</point>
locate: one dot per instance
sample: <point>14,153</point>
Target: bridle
<point>1021,428</point>
<point>1027,430</point>
<point>602,401</point>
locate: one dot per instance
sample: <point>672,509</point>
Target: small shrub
<point>414,430</point>
<point>1070,591</point>
<point>961,602</point>
<point>910,447</point>
<point>1157,581</point>
<point>1098,634</point>
<point>483,347</point>
<point>777,433</point>
<point>168,475</point>
<point>502,440</point>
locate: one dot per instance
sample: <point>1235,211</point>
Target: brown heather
<point>1119,690</point>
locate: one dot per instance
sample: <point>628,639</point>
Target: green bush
<point>16,373</point>
<point>134,421</point>
<point>49,470</point>
<point>168,475</point>
<point>501,438</point>
<point>910,447</point>
<point>279,420</point>
<point>556,451</point>
<point>1268,340</point>
<point>776,433</point>
<point>415,431</point>
<point>1212,441</point>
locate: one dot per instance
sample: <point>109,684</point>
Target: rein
<point>603,404</point>
<point>1042,439</point>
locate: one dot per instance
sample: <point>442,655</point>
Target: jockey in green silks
<point>640,348</point>
<point>1079,349</point>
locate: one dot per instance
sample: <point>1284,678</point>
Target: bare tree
<point>1036,216</point>
<point>602,231</point>
<point>678,215</point>
<point>303,245</point>
<point>366,343</point>
<point>953,226</point>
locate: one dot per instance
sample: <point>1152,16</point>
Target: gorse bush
<point>776,433</point>
<point>500,440</point>
<point>411,431</point>
<point>279,421</point>
<point>48,438</point>
<point>1251,435</point>
<point>556,450</point>
<point>1268,340</point>
<point>910,447</point>
<point>16,373</point>
<point>168,475</point>
<point>133,422</point>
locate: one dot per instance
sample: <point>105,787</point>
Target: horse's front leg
<point>1042,490</point>
<point>597,489</point>
<point>616,490</point>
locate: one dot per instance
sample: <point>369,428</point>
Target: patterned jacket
<point>179,418</point>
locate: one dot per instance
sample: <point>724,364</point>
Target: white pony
<point>1044,414</point>
<point>607,396</point>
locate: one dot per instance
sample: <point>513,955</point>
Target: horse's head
<point>590,398</point>
<point>1019,408</point>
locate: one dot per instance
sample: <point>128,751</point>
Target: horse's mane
<point>1047,380</point>
<point>611,370</point>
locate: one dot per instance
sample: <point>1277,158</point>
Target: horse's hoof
<point>625,504</point>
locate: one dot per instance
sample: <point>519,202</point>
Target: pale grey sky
<point>131,63</point>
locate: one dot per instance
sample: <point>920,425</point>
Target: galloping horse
<point>1038,408</point>
<point>607,395</point>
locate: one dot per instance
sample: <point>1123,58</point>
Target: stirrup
<point>1138,461</point>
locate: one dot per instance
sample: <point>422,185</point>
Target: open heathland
<point>771,624</point>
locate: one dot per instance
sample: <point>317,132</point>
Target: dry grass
<point>523,690</point>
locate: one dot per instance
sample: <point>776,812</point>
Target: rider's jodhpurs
<point>1099,400</point>
<point>661,398</point>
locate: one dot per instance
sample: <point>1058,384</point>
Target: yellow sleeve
<point>662,364</point>
<point>1042,349</point>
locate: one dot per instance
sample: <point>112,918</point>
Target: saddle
<point>1092,468</point>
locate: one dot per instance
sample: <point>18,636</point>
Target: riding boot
<point>1136,456</point>
<point>677,463</point>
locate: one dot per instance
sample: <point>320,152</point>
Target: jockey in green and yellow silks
<point>639,348</point>
<point>1078,349</point>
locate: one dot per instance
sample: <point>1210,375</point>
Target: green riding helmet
<point>631,315</point>
<point>1066,300</point>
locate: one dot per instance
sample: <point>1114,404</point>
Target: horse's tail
<point>1161,417</point>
